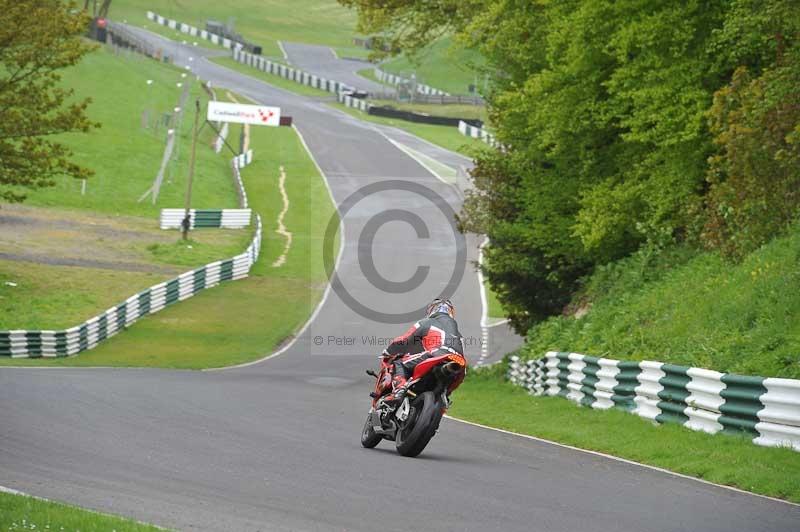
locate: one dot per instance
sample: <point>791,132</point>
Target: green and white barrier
<point>766,409</point>
<point>191,30</point>
<point>33,344</point>
<point>468,130</point>
<point>292,74</point>
<point>391,79</point>
<point>356,103</point>
<point>201,218</point>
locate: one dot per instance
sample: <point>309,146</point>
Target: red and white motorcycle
<point>413,422</point>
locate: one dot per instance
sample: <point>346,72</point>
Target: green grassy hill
<point>442,66</point>
<point>265,22</point>
<point>126,156</point>
<point>690,308</point>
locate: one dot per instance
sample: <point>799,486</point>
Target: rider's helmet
<point>440,305</point>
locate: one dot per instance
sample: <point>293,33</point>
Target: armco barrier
<point>34,344</point>
<point>469,130</point>
<point>391,79</point>
<point>292,74</point>
<point>218,218</point>
<point>191,30</point>
<point>765,409</point>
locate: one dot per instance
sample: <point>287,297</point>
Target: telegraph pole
<point>187,221</point>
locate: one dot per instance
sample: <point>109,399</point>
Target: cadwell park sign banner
<point>239,113</point>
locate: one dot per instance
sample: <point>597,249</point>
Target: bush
<point>691,308</point>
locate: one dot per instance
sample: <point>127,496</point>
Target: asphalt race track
<point>322,61</point>
<point>275,445</point>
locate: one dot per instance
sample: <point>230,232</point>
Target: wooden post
<point>186,216</point>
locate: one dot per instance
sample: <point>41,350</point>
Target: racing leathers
<point>433,336</point>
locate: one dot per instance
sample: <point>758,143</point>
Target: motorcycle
<point>414,421</point>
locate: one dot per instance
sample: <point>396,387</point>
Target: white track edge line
<point>327,287</point>
<point>624,460</point>
<point>419,161</point>
<point>429,143</point>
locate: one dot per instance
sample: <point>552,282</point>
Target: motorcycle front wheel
<point>369,438</point>
<point>420,426</point>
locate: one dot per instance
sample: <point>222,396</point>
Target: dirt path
<point>63,237</point>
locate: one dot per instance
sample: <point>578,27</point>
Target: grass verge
<point>21,512</point>
<point>449,110</point>
<point>495,309</point>
<point>369,73</point>
<point>445,136</point>
<point>486,398</point>
<point>440,65</point>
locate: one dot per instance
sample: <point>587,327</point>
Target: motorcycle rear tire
<point>411,440</point>
<point>369,438</point>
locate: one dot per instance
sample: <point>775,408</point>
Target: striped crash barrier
<point>468,130</point>
<point>34,344</point>
<point>764,409</point>
<point>191,30</point>
<point>392,79</point>
<point>286,72</point>
<point>201,218</point>
<point>243,159</point>
<point>356,103</point>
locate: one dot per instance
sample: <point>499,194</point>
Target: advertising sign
<point>244,114</point>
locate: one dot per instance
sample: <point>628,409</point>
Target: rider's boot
<point>398,390</point>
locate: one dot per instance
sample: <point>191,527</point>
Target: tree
<point>37,40</point>
<point>620,128</point>
<point>754,176</point>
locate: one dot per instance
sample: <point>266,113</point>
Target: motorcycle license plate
<point>457,358</point>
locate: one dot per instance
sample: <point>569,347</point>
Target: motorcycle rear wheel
<point>422,423</point>
<point>369,438</point>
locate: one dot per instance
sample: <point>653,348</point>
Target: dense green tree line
<point>625,124</point>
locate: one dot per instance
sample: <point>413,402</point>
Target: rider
<point>435,335</point>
